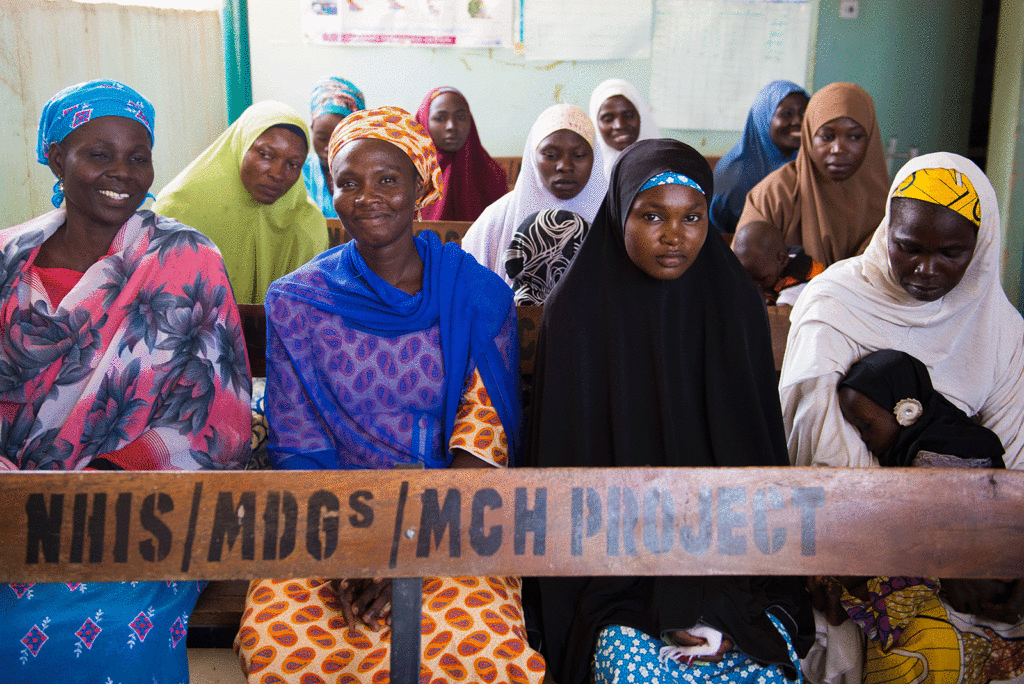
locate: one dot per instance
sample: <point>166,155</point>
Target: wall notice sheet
<point>427,23</point>
<point>710,57</point>
<point>591,29</point>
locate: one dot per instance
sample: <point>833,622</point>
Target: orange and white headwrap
<point>945,187</point>
<point>398,127</point>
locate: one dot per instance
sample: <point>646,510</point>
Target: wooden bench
<point>511,166</point>
<point>447,231</point>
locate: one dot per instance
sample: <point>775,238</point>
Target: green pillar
<point>237,79</point>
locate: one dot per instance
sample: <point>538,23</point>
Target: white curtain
<point>173,57</point>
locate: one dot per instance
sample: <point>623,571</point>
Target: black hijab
<point>634,371</point>
<point>887,377</point>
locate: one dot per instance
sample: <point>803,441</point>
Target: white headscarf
<point>611,88</point>
<point>490,235</point>
<point>970,339</point>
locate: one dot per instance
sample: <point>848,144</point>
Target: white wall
<point>505,92</point>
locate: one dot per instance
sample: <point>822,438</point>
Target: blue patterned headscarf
<point>81,103</point>
<point>751,159</point>
<point>334,95</point>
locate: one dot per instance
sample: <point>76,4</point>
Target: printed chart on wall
<point>710,57</point>
<point>427,23</point>
<point>551,29</point>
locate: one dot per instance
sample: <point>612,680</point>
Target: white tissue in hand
<point>711,635</point>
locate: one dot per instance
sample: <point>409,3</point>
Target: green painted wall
<point>917,60</point>
<point>1006,142</point>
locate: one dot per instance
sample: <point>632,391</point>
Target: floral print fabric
<point>145,354</point>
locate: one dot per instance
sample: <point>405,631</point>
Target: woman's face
<point>619,122</point>
<point>272,165</point>
<point>564,160</point>
<point>838,148</point>
<point>376,187</point>
<point>877,427</point>
<point>784,127</point>
<point>106,166</point>
<point>322,128</point>
<point>665,229</point>
<point>930,247</point>
<point>449,122</point>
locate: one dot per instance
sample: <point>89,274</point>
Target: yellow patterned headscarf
<point>945,187</point>
<point>398,127</point>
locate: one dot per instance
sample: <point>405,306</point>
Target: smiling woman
<point>243,192</point>
<point>390,349</point>
<point>122,351</point>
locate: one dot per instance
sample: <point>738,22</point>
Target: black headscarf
<point>635,371</point>
<point>887,377</point>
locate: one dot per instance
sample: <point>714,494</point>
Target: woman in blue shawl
<point>770,139</point>
<point>391,349</point>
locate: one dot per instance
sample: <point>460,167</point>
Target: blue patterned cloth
<point>670,178</point>
<point>751,159</point>
<point>334,95</point>
<point>316,185</point>
<point>104,632</point>
<point>81,103</point>
<point>628,656</point>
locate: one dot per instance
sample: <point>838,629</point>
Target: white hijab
<point>611,88</point>
<point>490,235</point>
<point>970,340</point>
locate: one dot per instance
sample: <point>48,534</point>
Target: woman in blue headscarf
<point>770,139</point>
<point>332,100</point>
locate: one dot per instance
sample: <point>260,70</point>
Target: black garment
<point>886,377</point>
<point>634,371</point>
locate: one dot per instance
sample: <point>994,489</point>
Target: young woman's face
<point>106,166</point>
<point>839,147</point>
<point>273,164</point>
<point>449,122</point>
<point>322,128</point>
<point>564,160</point>
<point>784,127</point>
<point>665,229</point>
<point>376,186</point>
<point>877,427</point>
<point>618,122</point>
<point>930,247</point>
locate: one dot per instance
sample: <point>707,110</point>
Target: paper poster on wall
<point>427,23</point>
<point>710,57</point>
<point>594,29</point>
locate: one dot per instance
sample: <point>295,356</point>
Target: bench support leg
<point>406,624</point>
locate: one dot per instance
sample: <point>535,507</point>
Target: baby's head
<point>761,250</point>
<point>881,394</point>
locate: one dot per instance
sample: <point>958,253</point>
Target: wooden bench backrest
<point>511,166</point>
<point>447,231</point>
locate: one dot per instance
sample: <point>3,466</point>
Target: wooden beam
<point>647,521</point>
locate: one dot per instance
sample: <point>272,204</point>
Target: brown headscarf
<point>831,220</point>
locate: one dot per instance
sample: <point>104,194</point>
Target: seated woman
<point>771,138</point>
<point>243,193</point>
<point>471,180</point>
<point>122,351</point>
<point>332,100</point>
<point>440,389</point>
<point>928,284</point>
<point>913,632</point>
<point>831,197</point>
<point>541,251</point>
<point>560,171</point>
<point>621,115</point>
<point>654,291</point>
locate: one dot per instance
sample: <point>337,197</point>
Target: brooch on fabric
<point>908,411</point>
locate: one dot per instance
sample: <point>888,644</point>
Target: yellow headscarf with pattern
<point>946,187</point>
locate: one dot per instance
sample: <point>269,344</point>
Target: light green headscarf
<point>259,242</point>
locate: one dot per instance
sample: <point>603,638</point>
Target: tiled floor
<point>214,666</point>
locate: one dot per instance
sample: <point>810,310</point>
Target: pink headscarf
<point>471,179</point>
